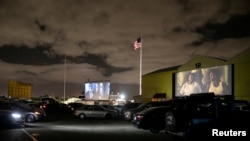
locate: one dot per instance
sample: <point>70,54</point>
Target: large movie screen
<point>97,90</point>
<point>217,80</point>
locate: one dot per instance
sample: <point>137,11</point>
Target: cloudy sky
<point>97,36</point>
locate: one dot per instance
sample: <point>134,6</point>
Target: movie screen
<point>217,80</point>
<point>97,90</point>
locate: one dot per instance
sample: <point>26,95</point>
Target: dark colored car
<point>129,113</point>
<point>57,108</point>
<point>152,119</point>
<point>242,105</point>
<point>10,119</point>
<point>30,114</point>
<point>197,115</point>
<point>129,105</point>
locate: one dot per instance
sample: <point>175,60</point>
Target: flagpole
<point>140,91</point>
<point>64,79</point>
<point>138,45</point>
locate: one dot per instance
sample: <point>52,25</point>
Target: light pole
<point>64,79</point>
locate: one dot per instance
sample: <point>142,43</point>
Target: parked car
<point>10,119</point>
<point>129,105</point>
<point>57,108</point>
<point>73,105</point>
<point>129,113</point>
<point>198,114</point>
<point>152,119</point>
<point>111,107</point>
<point>95,111</point>
<point>242,105</point>
<point>30,114</point>
<point>119,109</point>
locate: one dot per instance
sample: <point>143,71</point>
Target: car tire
<point>108,116</point>
<point>82,116</point>
<point>170,122</point>
<point>29,118</point>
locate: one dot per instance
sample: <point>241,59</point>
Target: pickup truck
<point>208,116</point>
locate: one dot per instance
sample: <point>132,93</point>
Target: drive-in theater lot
<point>69,128</point>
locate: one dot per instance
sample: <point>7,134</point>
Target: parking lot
<point>68,128</point>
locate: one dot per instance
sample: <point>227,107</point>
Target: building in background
<point>17,89</point>
<point>165,81</point>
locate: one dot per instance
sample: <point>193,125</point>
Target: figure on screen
<point>89,91</point>
<point>191,86</point>
<point>216,85</point>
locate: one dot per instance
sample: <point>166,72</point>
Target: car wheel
<point>170,122</point>
<point>108,116</point>
<point>82,116</point>
<point>29,118</point>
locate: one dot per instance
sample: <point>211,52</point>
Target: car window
<point>148,105</point>
<point>97,108</point>
<point>22,105</point>
<point>90,108</point>
<point>142,105</point>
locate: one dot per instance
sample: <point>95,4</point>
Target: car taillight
<point>139,117</point>
<point>43,106</point>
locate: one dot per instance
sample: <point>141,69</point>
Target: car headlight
<point>16,115</point>
<point>37,113</point>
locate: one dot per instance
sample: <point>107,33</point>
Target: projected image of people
<point>90,88</point>
<point>216,84</point>
<point>190,86</point>
<point>97,90</point>
<point>217,80</point>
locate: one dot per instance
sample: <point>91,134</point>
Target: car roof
<point>154,108</point>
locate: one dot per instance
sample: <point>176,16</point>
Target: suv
<point>199,114</point>
<point>130,113</point>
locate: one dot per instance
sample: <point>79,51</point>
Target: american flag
<point>137,43</point>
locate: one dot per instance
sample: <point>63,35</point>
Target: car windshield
<point>142,105</point>
<point>152,109</point>
<point>23,105</point>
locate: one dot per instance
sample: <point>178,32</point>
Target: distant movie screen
<point>217,80</point>
<point>97,90</point>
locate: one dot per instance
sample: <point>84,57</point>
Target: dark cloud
<point>45,55</point>
<point>100,62</point>
<point>236,27</point>
<point>29,56</point>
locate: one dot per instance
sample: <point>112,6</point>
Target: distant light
<point>122,96</point>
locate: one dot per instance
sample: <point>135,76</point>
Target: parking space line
<point>33,138</point>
